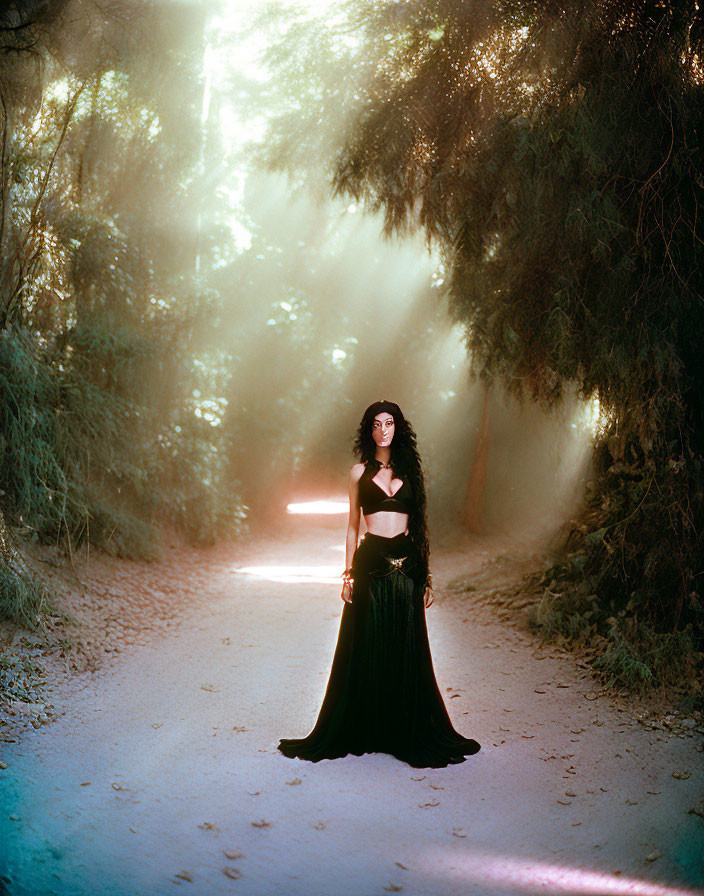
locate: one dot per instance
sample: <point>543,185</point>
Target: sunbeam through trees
<point>552,155</point>
<point>226,227</point>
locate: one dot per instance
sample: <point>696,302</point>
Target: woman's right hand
<point>347,592</point>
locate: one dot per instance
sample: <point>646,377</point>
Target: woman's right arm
<point>352,526</point>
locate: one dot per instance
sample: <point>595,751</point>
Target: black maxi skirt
<point>382,696</point>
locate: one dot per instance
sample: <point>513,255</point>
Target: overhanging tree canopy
<point>553,150</point>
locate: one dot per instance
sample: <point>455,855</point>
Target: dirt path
<point>160,769</point>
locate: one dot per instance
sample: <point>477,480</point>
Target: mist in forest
<point>193,330</point>
<point>329,315</point>
<point>345,317</point>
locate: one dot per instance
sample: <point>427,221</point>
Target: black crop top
<point>374,499</point>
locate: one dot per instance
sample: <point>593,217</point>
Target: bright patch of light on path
<point>319,507</point>
<point>294,575</point>
<point>531,875</point>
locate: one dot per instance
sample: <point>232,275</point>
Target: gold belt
<point>395,564</point>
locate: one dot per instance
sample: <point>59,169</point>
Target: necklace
<point>384,466</point>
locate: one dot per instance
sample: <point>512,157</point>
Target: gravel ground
<point>143,757</point>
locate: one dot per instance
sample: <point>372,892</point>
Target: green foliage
<point>32,478</point>
<point>69,458</point>
<point>101,305</point>
<point>568,615</point>
<point>89,461</point>
<point>22,598</point>
<point>626,652</point>
<point>198,493</point>
<point>636,657</point>
<point>626,573</point>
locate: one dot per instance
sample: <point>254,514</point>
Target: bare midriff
<point>387,523</point>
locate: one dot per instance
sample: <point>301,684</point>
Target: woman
<point>382,695</point>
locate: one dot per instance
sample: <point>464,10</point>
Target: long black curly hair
<point>405,464</point>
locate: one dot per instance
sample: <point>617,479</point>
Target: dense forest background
<point>196,304</point>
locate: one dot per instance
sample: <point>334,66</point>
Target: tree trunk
<point>474,502</point>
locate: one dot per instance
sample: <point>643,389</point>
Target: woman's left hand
<point>428,597</point>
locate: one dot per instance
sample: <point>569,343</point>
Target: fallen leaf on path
<point>238,728</point>
<point>85,783</point>
<point>506,709</point>
<point>528,735</point>
<point>184,875</point>
<point>428,805</point>
<point>631,802</point>
<point>157,724</point>
<point>116,786</point>
<point>682,776</point>
<point>226,641</point>
<point>3,765</point>
<point>576,824</point>
<point>538,691</point>
<point>232,873</point>
<point>232,854</point>
<point>654,856</point>
<point>294,782</point>
<point>565,802</point>
<point>697,810</point>
<point>319,825</point>
<point>567,793</point>
<point>133,830</point>
<point>209,687</point>
<point>419,779</point>
<point>436,787</point>
<point>459,832</point>
<point>503,729</point>
<point>393,888</point>
<point>604,789</point>
<point>400,865</point>
<point>653,792</point>
<point>209,826</point>
<point>561,685</point>
<point>255,793</point>
<point>261,824</point>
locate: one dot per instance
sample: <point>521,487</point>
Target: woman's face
<point>383,429</point>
